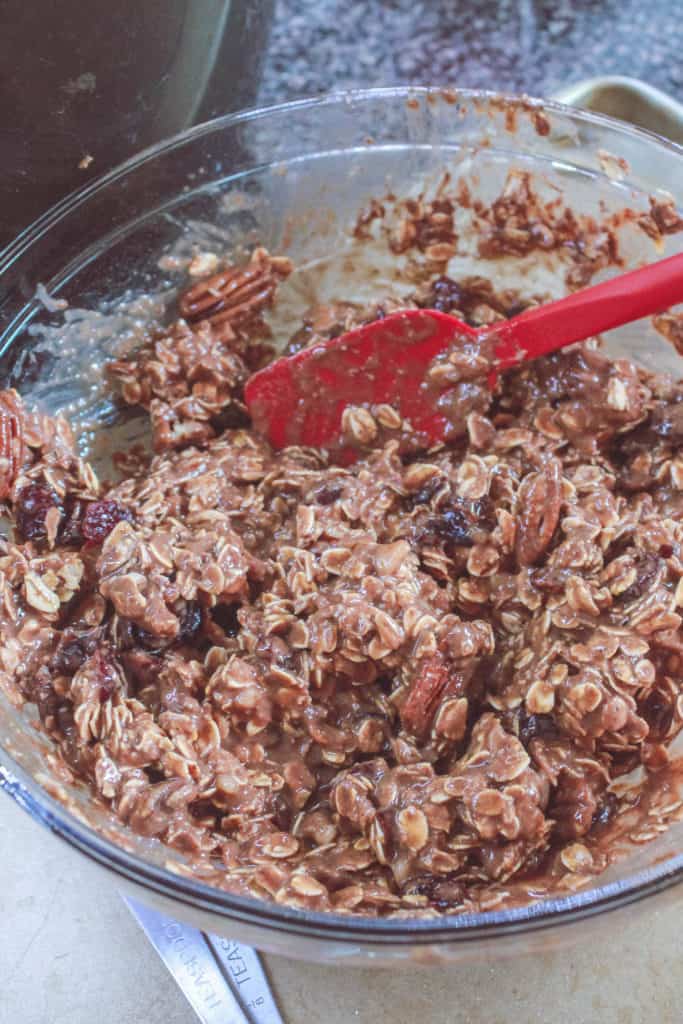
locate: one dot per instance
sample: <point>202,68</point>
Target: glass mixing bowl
<point>293,177</point>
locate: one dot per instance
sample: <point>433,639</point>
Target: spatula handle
<point>591,311</point>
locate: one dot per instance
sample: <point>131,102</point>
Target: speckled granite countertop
<point>532,46</point>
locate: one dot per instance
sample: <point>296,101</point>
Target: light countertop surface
<point>70,953</point>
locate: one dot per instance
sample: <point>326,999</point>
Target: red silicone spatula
<point>300,399</point>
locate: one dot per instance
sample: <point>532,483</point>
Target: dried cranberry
<point>32,505</point>
<point>100,519</point>
<point>106,671</point>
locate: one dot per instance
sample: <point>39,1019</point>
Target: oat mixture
<point>402,686</point>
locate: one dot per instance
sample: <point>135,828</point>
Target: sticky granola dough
<point>405,686</point>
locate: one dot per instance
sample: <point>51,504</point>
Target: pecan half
<point>540,500</point>
<point>237,294</point>
<point>434,680</point>
<point>12,443</point>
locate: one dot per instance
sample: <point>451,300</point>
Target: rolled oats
<point>399,687</point>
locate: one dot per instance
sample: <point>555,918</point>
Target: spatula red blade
<point>300,399</point>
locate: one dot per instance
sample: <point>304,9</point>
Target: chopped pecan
<point>434,680</point>
<point>670,326</point>
<point>540,500</point>
<point>235,295</point>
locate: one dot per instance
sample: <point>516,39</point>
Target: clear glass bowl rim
<point>455,928</point>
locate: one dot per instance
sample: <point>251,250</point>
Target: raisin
<point>646,574</point>
<point>483,512</point>
<point>609,806</point>
<point>461,525</point>
<point>442,893</point>
<point>667,421</point>
<point>65,721</point>
<point>424,495</point>
<point>32,505</point>
<point>658,712</point>
<point>283,817</point>
<point>150,641</point>
<point>552,581</point>
<point>201,810</point>
<point>233,417</point>
<point>72,652</point>
<point>190,623</point>
<point>412,454</point>
<point>329,494</point>
<point>532,726</point>
<point>386,684</point>
<point>257,355</point>
<point>100,519</point>
<point>225,616</point>
<point>446,295</point>
<point>453,525</point>
<point>300,339</point>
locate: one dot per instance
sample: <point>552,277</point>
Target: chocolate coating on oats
<point>406,686</point>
